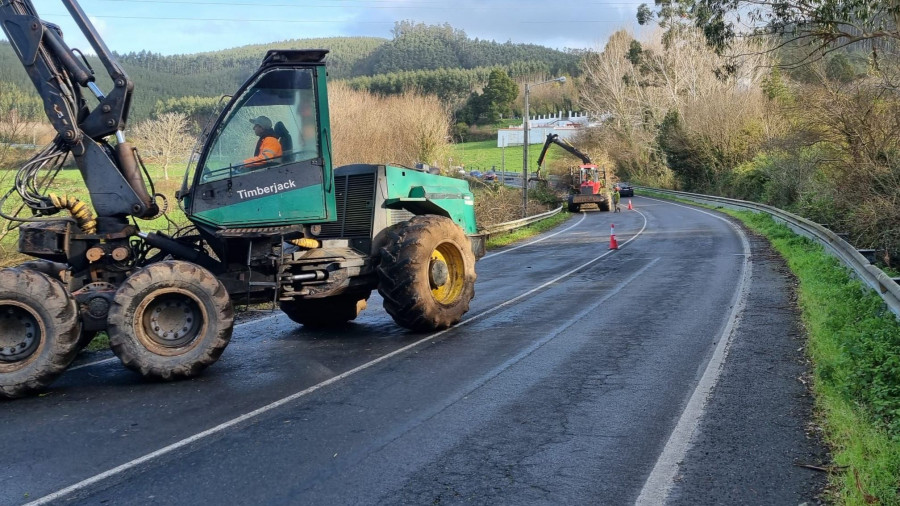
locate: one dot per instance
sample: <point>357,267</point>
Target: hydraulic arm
<point>61,76</point>
<point>554,139</point>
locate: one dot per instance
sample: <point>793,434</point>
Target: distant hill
<point>435,59</point>
<point>345,54</point>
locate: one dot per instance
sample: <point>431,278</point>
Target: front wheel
<point>170,320</point>
<point>427,273</point>
<point>39,329</point>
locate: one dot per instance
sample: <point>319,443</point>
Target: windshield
<point>273,123</point>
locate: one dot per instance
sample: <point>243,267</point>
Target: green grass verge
<point>854,345</point>
<point>506,238</point>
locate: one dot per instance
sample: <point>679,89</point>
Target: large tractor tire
<point>327,312</point>
<point>170,320</point>
<point>574,208</point>
<point>427,273</point>
<point>55,270</point>
<point>39,329</point>
<point>604,206</point>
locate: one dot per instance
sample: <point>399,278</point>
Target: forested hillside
<point>433,59</point>
<point>346,53</point>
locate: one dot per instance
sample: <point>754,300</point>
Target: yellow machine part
<point>304,242</point>
<point>78,209</point>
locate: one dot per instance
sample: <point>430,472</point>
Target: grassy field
<point>485,155</point>
<point>854,346</point>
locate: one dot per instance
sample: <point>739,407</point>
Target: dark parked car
<point>475,173</point>
<point>625,189</point>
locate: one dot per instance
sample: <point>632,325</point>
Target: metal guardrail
<point>512,225</point>
<point>872,276</point>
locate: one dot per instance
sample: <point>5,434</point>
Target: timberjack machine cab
<point>589,183</point>
<point>282,226</point>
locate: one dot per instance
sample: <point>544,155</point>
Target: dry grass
<point>498,204</point>
<point>403,129</point>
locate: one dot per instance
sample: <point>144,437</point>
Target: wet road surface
<point>563,384</point>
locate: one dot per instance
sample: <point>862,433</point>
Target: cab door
<point>266,163</point>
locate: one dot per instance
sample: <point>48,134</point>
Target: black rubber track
<point>56,311</point>
<point>192,357</point>
<point>404,278</point>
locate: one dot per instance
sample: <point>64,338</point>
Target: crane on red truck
<point>588,182</point>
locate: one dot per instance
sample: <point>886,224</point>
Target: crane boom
<point>554,139</point>
<point>61,79</point>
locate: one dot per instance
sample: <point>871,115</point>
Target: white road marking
<point>658,485</point>
<point>281,402</point>
<point>89,364</point>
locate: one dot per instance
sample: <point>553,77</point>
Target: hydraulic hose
<point>78,209</point>
<point>305,243</point>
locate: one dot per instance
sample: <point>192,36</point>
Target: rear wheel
<point>604,206</point>
<point>39,329</point>
<point>54,270</point>
<point>574,208</point>
<point>427,273</point>
<point>327,312</point>
<point>170,320</point>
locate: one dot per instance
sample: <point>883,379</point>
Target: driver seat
<point>287,144</point>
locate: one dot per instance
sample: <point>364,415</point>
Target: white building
<point>539,126</point>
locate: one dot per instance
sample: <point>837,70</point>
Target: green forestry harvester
<point>271,223</point>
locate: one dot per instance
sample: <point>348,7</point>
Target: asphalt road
<point>580,376</point>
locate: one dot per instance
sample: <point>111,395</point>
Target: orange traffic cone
<point>630,207</point>
<point>612,237</point>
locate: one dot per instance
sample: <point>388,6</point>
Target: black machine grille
<point>355,199</point>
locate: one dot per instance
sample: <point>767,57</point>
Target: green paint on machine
<point>280,208</point>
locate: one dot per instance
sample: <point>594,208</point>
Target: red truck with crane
<point>589,183</point>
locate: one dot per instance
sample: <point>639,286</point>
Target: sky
<point>192,26</point>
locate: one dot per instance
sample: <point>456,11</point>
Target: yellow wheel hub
<point>446,273</point>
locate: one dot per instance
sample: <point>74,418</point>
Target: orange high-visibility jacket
<point>267,149</point>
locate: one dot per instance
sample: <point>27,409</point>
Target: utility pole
<point>560,79</point>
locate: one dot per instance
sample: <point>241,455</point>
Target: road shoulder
<point>757,435</point>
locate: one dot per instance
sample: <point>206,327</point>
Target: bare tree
<point>165,139</point>
<point>638,83</point>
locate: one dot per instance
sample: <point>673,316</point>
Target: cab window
<point>272,124</point>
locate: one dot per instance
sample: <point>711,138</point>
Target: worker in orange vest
<point>267,147</point>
